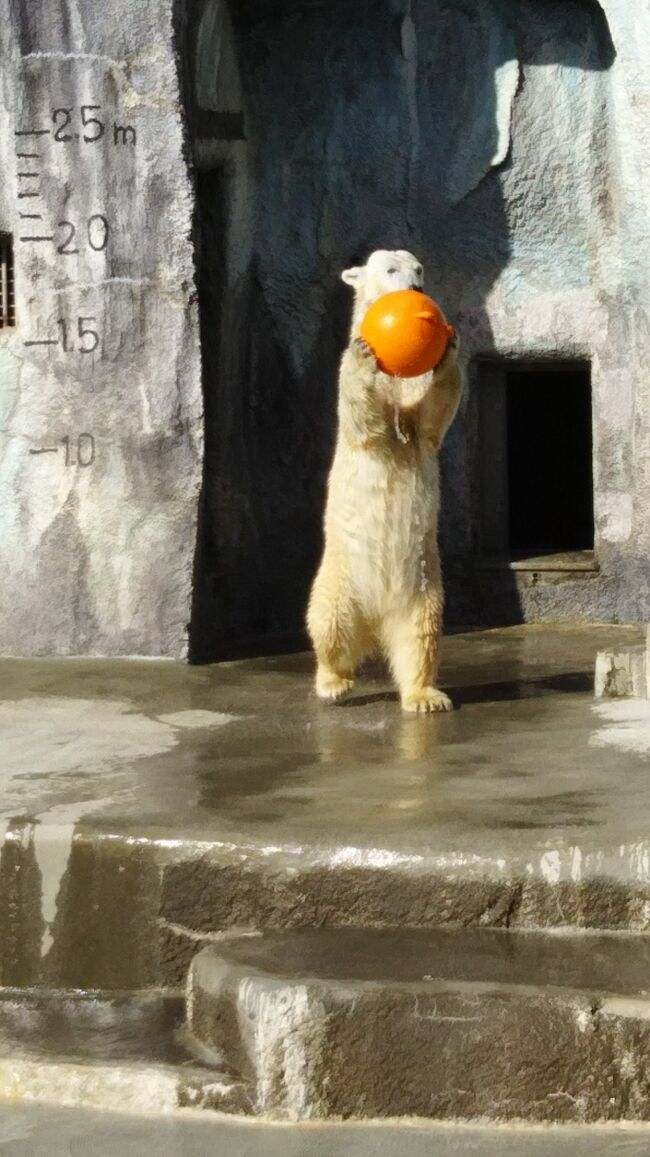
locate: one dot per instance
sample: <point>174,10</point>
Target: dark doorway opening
<point>536,459</point>
<point>550,480</point>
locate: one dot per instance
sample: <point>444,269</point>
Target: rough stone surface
<point>254,1003</point>
<point>148,807</point>
<point>459,137</point>
<point>624,674</point>
<point>97,535</point>
<point>507,144</point>
<point>493,1024</point>
<point>621,675</point>
<point>125,1053</point>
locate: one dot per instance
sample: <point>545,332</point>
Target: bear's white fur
<point>379,586</point>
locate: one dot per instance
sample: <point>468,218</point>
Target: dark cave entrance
<point>535,460</point>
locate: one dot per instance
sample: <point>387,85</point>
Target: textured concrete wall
<point>101,430</point>
<point>504,141</point>
<point>507,142</point>
<point>575,195</point>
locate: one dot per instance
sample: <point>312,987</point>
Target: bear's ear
<point>353,276</point>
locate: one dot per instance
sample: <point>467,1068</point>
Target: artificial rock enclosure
<point>183,183</point>
<point>215,892</point>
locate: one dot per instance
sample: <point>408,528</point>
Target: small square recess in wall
<point>535,507</point>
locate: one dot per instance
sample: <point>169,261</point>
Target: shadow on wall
<point>321,131</point>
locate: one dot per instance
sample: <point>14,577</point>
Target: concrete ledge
<point>622,674</point>
<point>150,807</point>
<point>441,1025</point>
<point>123,1053</point>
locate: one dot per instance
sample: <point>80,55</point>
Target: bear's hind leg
<point>411,639</point>
<point>337,633</point>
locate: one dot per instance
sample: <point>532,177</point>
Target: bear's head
<point>384,271</point>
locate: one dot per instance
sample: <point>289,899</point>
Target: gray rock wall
<point>100,451</point>
<point>507,142</point>
<point>575,192</point>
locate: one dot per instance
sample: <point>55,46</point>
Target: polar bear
<point>379,585</point>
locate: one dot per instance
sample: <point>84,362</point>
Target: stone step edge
<point>133,1088</point>
<point>317,1049</point>
<point>109,913</point>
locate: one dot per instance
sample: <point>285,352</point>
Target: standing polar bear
<point>379,586</point>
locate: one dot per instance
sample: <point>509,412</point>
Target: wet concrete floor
<point>488,957</point>
<point>36,1131</point>
<point>243,755</point>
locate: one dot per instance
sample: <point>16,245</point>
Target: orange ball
<point>407,333</point>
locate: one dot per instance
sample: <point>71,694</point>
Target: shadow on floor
<point>573,683</point>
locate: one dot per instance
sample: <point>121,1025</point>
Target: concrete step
<point>123,1053</point>
<point>467,1023</point>
<point>40,1131</point>
<point>149,808</point>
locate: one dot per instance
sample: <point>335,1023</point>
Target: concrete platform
<point>36,1131</point>
<point>451,1023</point>
<point>126,1054</point>
<point>151,807</point>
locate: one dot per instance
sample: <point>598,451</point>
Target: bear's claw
<point>364,350</point>
<point>332,686</point>
<point>426,700</point>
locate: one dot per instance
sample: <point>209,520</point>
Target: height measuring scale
<point>101,464</point>
<point>74,154</point>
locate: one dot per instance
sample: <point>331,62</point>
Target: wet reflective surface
<point>596,962</point>
<point>244,754</point>
<point>90,1028</point>
<point>147,805</point>
<point>37,1131</point>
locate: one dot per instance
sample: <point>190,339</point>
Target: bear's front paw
<point>450,356</point>
<point>331,686</point>
<point>425,700</point>
<point>364,352</point>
